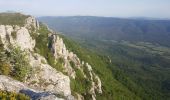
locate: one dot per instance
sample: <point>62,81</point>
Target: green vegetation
<point>112,88</point>
<point>14,63</point>
<point>72,64</point>
<point>80,84</point>
<point>4,95</point>
<point>43,42</point>
<point>59,64</point>
<point>12,19</point>
<point>86,71</point>
<point>104,28</point>
<point>14,34</point>
<point>135,52</point>
<point>21,64</point>
<point>143,69</point>
<point>5,67</point>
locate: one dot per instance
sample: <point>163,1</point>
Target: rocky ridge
<point>60,51</point>
<point>45,78</point>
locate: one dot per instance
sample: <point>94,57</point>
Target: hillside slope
<point>103,28</point>
<point>138,59</point>
<point>37,57</point>
<point>43,64</point>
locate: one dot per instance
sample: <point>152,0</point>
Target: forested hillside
<point>103,28</point>
<point>136,51</point>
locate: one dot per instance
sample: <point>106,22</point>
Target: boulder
<point>11,85</point>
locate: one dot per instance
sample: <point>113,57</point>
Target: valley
<point>136,59</point>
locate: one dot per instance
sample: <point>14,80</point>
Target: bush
<point>5,68</point>
<point>21,64</point>
<point>43,44</point>
<point>4,95</point>
<point>80,84</point>
<point>14,34</point>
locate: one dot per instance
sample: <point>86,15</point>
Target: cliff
<point>42,77</point>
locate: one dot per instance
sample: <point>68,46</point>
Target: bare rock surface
<point>44,76</point>
<point>60,51</point>
<point>9,84</point>
<point>45,81</point>
<point>31,22</point>
<point>24,40</point>
<point>47,78</point>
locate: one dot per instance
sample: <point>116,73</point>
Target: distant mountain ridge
<point>137,50</point>
<point>108,28</point>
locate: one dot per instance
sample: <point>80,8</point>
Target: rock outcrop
<point>60,51</point>
<point>31,22</point>
<point>16,37</point>
<point>47,78</point>
<point>44,77</point>
<point>45,82</point>
<point>9,84</point>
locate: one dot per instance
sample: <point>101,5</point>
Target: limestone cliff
<point>20,37</point>
<point>44,79</point>
<point>59,50</point>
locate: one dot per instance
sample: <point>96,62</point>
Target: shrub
<point>21,64</point>
<point>43,44</point>
<point>5,68</point>
<point>4,95</point>
<point>14,34</point>
<point>72,64</point>
<point>43,61</point>
<point>80,84</point>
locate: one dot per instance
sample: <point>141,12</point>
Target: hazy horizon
<point>103,8</point>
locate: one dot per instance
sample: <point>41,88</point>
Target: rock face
<point>7,83</point>
<point>60,51</point>
<point>45,82</point>
<point>24,40</point>
<point>17,37</point>
<point>31,22</point>
<point>96,82</point>
<point>45,77</point>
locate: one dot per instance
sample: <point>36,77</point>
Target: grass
<point>12,19</point>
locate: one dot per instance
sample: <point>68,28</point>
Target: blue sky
<point>113,8</point>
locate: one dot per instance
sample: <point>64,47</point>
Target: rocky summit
<point>42,72</point>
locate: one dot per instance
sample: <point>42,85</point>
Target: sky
<point>107,8</point>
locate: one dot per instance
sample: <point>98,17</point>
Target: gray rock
<point>31,22</point>
<point>44,77</point>
<point>60,51</point>
<point>48,78</point>
<point>11,85</point>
